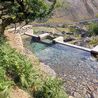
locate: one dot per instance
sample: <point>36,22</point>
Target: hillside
<point>73,10</point>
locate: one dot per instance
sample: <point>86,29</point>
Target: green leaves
<point>5,84</point>
<point>16,69</point>
<point>16,66</point>
<point>31,9</point>
<point>14,11</point>
<point>50,88</point>
<point>93,29</point>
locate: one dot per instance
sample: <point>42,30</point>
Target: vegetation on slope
<point>15,69</point>
<point>5,83</point>
<point>93,29</point>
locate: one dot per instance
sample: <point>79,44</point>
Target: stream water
<point>77,68</point>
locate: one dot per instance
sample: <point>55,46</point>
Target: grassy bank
<point>17,70</point>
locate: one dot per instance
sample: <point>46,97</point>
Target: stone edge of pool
<point>61,41</point>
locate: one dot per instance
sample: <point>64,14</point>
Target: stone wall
<point>21,30</point>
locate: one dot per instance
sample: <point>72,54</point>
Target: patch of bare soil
<point>18,93</point>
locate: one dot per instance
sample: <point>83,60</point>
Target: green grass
<point>5,84</point>
<point>16,69</point>
<point>94,41</point>
<point>93,29</point>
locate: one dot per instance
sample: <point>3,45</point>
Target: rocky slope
<point>76,9</point>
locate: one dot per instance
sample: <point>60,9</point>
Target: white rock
<point>58,39</point>
<point>95,49</point>
<point>43,35</point>
<point>71,97</point>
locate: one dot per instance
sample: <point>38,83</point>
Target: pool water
<point>37,47</point>
<point>76,67</point>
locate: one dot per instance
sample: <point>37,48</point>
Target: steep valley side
<point>75,10</point>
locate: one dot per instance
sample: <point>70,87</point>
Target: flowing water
<point>77,68</point>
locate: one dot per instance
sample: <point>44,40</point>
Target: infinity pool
<point>76,67</point>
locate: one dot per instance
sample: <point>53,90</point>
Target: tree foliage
<point>23,10</point>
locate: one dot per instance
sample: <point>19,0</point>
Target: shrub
<point>51,88</point>
<point>5,84</point>
<point>93,29</point>
<point>2,39</point>
<point>72,29</point>
<point>19,70</point>
<point>17,66</point>
<point>97,15</point>
<point>94,41</point>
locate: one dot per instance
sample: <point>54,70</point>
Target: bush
<point>5,84</point>
<point>94,41</point>
<point>93,29</point>
<point>19,70</point>
<point>51,88</point>
<point>97,15</point>
<point>73,29</point>
<point>17,66</point>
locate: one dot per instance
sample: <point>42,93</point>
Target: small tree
<point>12,11</point>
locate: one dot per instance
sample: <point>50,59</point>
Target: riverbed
<point>77,68</point>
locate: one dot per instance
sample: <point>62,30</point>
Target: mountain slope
<point>76,9</point>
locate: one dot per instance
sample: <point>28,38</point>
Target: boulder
<point>95,50</point>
